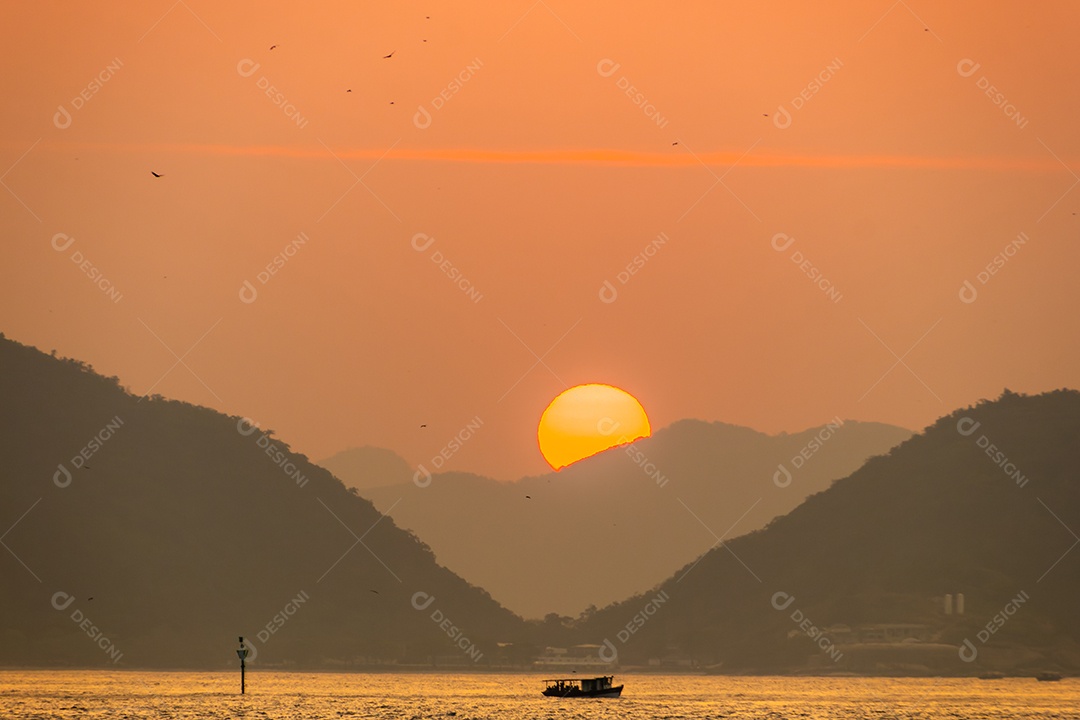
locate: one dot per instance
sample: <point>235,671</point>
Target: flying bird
<point>273,46</point>
<point>154,174</point>
<point>675,143</point>
<point>349,90</point>
<point>528,497</point>
<point>424,425</point>
<point>374,591</point>
<point>387,57</point>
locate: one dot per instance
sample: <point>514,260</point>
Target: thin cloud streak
<point>600,157</point>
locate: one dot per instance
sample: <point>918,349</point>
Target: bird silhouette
<point>528,497</point>
<point>273,46</point>
<point>154,174</point>
<point>387,57</point>
<point>374,591</point>
<point>349,90</point>
<point>675,143</point>
<point>424,425</point>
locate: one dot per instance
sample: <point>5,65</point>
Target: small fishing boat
<point>598,687</point>
<point>1048,676</point>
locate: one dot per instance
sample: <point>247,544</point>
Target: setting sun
<point>588,419</point>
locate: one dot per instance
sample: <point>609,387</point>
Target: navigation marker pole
<point>242,653</point>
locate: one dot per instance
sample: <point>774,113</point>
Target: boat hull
<point>575,692</point>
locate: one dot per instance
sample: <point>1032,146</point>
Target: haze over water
<point>514,696</point>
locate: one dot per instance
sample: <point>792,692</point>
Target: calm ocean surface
<point>183,695</point>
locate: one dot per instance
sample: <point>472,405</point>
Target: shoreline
<point>422,670</point>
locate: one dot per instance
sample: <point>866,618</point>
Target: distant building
<point>455,661</point>
<point>840,634</point>
<point>892,633</point>
<point>673,657</point>
<point>672,661</point>
<point>578,656</point>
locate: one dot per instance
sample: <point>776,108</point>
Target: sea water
<point>87,694</point>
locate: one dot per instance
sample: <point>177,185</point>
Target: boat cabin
<point>583,687</point>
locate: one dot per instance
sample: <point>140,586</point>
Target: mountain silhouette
<point>193,528</point>
<point>603,528</point>
<point>368,467</point>
<point>143,532</point>
<point>984,503</point>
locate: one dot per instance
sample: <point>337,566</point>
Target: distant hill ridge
<point>648,507</point>
<point>984,503</point>
<point>149,532</point>
<point>141,532</point>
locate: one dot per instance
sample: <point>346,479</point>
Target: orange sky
<point>535,181</point>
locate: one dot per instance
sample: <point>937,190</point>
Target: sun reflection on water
<point>419,696</point>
